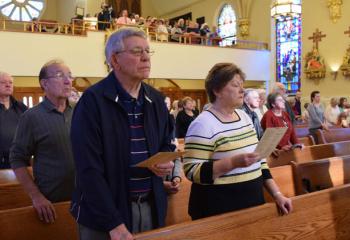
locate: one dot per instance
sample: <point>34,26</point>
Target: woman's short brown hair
<point>185,100</point>
<point>219,75</point>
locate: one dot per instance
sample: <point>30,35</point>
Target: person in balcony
<point>162,31</point>
<point>124,18</point>
<point>204,32</point>
<point>176,33</point>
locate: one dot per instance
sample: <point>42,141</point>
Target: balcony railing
<point>80,27</point>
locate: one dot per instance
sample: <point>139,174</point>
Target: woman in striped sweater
<point>220,160</point>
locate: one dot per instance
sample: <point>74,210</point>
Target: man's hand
<point>161,170</point>
<point>120,233</point>
<point>44,208</point>
<point>173,186</point>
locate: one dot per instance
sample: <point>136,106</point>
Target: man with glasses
<point>43,132</point>
<point>118,123</point>
<point>10,111</point>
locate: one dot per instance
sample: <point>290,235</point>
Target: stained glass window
<point>227,25</point>
<point>288,40</point>
<point>21,10</point>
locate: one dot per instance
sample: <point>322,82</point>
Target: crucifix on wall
<point>317,37</point>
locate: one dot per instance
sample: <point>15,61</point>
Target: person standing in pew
<point>116,124</point>
<point>220,161</point>
<point>43,132</point>
<point>316,115</point>
<point>277,117</point>
<point>10,112</point>
<point>281,89</point>
<point>250,105</point>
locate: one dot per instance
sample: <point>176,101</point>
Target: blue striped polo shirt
<point>140,178</point>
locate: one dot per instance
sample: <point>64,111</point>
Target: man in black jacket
<point>10,111</point>
<point>116,124</point>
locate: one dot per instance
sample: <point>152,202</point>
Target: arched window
<point>21,10</point>
<point>226,23</point>
<point>288,49</point>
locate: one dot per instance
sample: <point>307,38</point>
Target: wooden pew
<point>333,135</point>
<point>302,132</point>
<point>178,203</point>
<point>8,176</point>
<point>321,174</point>
<point>307,141</point>
<point>311,153</point>
<point>321,215</point>
<point>12,195</point>
<point>23,223</point>
<point>283,176</point>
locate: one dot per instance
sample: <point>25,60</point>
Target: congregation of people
<point>85,149</point>
<point>158,29</point>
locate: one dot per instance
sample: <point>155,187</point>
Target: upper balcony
<point>25,48</point>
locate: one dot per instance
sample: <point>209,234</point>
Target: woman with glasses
<point>276,116</point>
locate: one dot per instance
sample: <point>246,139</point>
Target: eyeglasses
<point>138,52</point>
<point>61,76</point>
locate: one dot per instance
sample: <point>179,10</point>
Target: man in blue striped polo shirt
<point>118,123</point>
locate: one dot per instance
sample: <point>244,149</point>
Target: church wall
<point>86,58</point>
<point>332,48</point>
<point>50,12</point>
<point>147,9</point>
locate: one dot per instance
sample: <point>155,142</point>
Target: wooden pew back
<point>283,176</point>
<point>8,176</point>
<point>321,174</point>
<point>178,204</point>
<point>302,132</point>
<point>23,223</point>
<point>12,195</point>
<point>333,135</point>
<point>321,215</point>
<point>307,141</point>
<point>311,153</point>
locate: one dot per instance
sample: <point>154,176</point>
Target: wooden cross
<point>347,32</point>
<point>317,37</point>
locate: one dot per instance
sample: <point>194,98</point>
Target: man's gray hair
<point>44,69</point>
<point>115,41</point>
<point>5,74</point>
<point>248,92</point>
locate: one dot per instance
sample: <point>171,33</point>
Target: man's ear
<point>43,83</point>
<point>115,62</point>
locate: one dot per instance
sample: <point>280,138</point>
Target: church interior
<point>303,44</point>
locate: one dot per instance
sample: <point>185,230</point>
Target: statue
<point>334,9</point>
<point>345,67</point>
<point>314,65</point>
<point>314,60</point>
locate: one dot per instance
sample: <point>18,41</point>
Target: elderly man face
<point>57,83</point>
<point>133,63</point>
<point>252,99</point>
<point>6,85</point>
<point>281,89</point>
